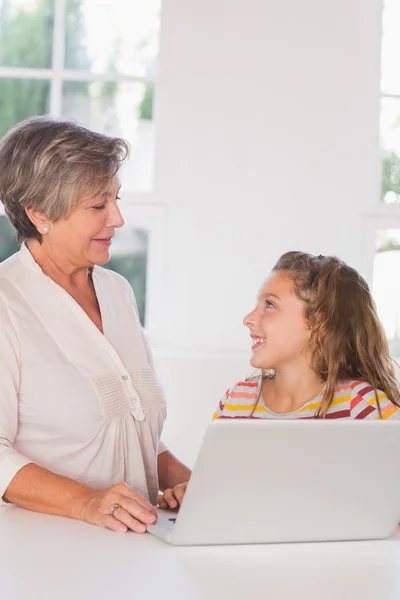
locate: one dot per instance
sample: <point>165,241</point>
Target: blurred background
<point>256,127</point>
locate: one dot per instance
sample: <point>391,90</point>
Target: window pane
<point>390,145</point>
<point>386,285</point>
<point>129,259</point>
<point>22,98</point>
<point>8,243</point>
<point>390,78</point>
<point>26,33</point>
<point>114,36</point>
<point>118,109</point>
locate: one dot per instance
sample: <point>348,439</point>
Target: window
<point>94,61</point>
<point>384,226</point>
<point>8,244</point>
<point>390,103</point>
<point>91,60</point>
<point>386,287</point>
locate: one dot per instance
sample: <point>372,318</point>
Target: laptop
<point>267,481</point>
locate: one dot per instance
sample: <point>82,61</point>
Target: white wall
<point>267,140</point>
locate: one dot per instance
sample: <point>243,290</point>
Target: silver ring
<point>114,507</point>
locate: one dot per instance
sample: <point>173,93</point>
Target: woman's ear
<point>39,220</point>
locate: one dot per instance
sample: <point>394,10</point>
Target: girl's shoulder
<point>245,387</point>
<point>240,399</point>
<point>363,400</point>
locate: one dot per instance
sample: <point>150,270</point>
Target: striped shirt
<point>352,400</point>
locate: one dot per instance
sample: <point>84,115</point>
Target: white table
<point>50,558</point>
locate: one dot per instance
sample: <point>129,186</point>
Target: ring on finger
<point>113,508</point>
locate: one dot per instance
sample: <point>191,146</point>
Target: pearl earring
<point>45,229</point>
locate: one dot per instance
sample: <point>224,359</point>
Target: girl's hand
<point>172,498</point>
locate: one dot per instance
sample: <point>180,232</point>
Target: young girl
<point>320,349</point>
<point>319,346</point>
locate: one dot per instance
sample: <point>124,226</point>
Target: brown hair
<point>347,338</point>
<point>48,165</point>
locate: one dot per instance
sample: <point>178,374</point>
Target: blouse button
<point>125,377</point>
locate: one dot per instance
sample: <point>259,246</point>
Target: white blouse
<point>74,401</point>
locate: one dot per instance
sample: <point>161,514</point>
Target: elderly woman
<point>81,411</point>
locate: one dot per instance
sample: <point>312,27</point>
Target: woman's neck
<point>58,267</point>
<point>291,388</point>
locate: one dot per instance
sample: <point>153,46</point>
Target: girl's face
<point>277,325</point>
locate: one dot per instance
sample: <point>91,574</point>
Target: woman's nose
<point>115,218</point>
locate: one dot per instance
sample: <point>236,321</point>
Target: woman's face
<point>277,325</point>
<point>85,236</point>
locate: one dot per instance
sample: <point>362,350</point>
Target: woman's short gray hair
<point>48,165</point>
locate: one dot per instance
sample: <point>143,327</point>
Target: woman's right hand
<point>134,511</point>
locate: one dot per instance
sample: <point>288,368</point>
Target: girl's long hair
<point>347,338</point>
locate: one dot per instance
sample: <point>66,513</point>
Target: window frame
<point>382,215</point>
<point>57,74</point>
<point>388,209</point>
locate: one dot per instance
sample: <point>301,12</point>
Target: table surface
<point>51,558</point>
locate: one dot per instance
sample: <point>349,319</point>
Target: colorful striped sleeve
<point>238,401</point>
<point>221,405</point>
<point>363,404</point>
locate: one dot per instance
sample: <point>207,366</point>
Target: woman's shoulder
<point>11,271</point>
<point>113,282</point>
<point>118,289</point>
<point>109,275</point>
<point>8,266</point>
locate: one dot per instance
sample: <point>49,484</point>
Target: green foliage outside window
<point>26,37</point>
<point>391,175</point>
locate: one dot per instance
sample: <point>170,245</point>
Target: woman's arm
<point>39,490</point>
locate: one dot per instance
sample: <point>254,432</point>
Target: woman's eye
<point>268,304</point>
<point>118,198</point>
<point>100,207</point>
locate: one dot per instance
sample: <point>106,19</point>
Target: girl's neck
<point>291,388</point>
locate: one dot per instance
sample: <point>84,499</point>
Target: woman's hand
<point>172,498</point>
<point>134,511</point>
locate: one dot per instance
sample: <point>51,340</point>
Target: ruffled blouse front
<point>72,400</point>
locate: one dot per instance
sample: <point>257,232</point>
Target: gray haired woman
<point>81,411</point>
